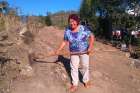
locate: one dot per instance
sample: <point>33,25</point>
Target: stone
<point>127,54</point>
<point>135,63</point>
<point>27,71</point>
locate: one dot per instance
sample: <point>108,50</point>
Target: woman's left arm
<point>91,41</point>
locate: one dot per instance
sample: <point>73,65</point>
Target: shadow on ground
<point>66,62</point>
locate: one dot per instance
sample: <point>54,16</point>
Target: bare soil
<point>110,69</point>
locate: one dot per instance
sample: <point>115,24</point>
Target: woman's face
<point>73,23</point>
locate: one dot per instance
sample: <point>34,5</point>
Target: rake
<point>52,57</point>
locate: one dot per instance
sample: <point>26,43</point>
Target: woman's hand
<point>91,41</point>
<point>89,51</point>
<point>57,52</point>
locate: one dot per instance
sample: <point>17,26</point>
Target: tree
<point>4,5</point>
<point>48,19</point>
<point>110,11</point>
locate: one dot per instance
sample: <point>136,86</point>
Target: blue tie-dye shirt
<point>78,41</point>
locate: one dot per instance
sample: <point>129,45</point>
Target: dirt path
<point>110,70</point>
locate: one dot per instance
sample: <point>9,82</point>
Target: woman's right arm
<point>61,46</point>
<point>63,43</point>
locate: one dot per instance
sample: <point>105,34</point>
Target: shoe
<point>73,88</point>
<point>87,84</point>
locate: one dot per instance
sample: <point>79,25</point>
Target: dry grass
<point>2,24</point>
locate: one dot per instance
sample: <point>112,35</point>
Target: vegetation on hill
<point>113,15</point>
<point>58,19</point>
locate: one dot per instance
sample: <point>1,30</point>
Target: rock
<point>127,54</point>
<point>27,71</point>
<point>22,31</point>
<point>135,63</point>
<point>6,43</point>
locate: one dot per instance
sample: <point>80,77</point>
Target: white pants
<point>75,59</point>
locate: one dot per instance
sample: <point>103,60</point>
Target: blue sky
<point>40,7</point>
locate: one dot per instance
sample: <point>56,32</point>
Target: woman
<point>80,41</point>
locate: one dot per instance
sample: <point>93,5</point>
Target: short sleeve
<point>87,31</point>
<point>65,35</point>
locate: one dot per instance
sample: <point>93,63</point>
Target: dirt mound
<point>110,69</point>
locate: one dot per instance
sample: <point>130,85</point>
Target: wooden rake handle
<point>52,53</point>
<point>66,53</point>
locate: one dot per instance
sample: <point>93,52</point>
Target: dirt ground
<point>110,69</point>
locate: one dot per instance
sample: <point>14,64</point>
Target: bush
<point>2,24</point>
<point>48,21</point>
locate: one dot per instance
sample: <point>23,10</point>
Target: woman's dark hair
<point>74,17</point>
